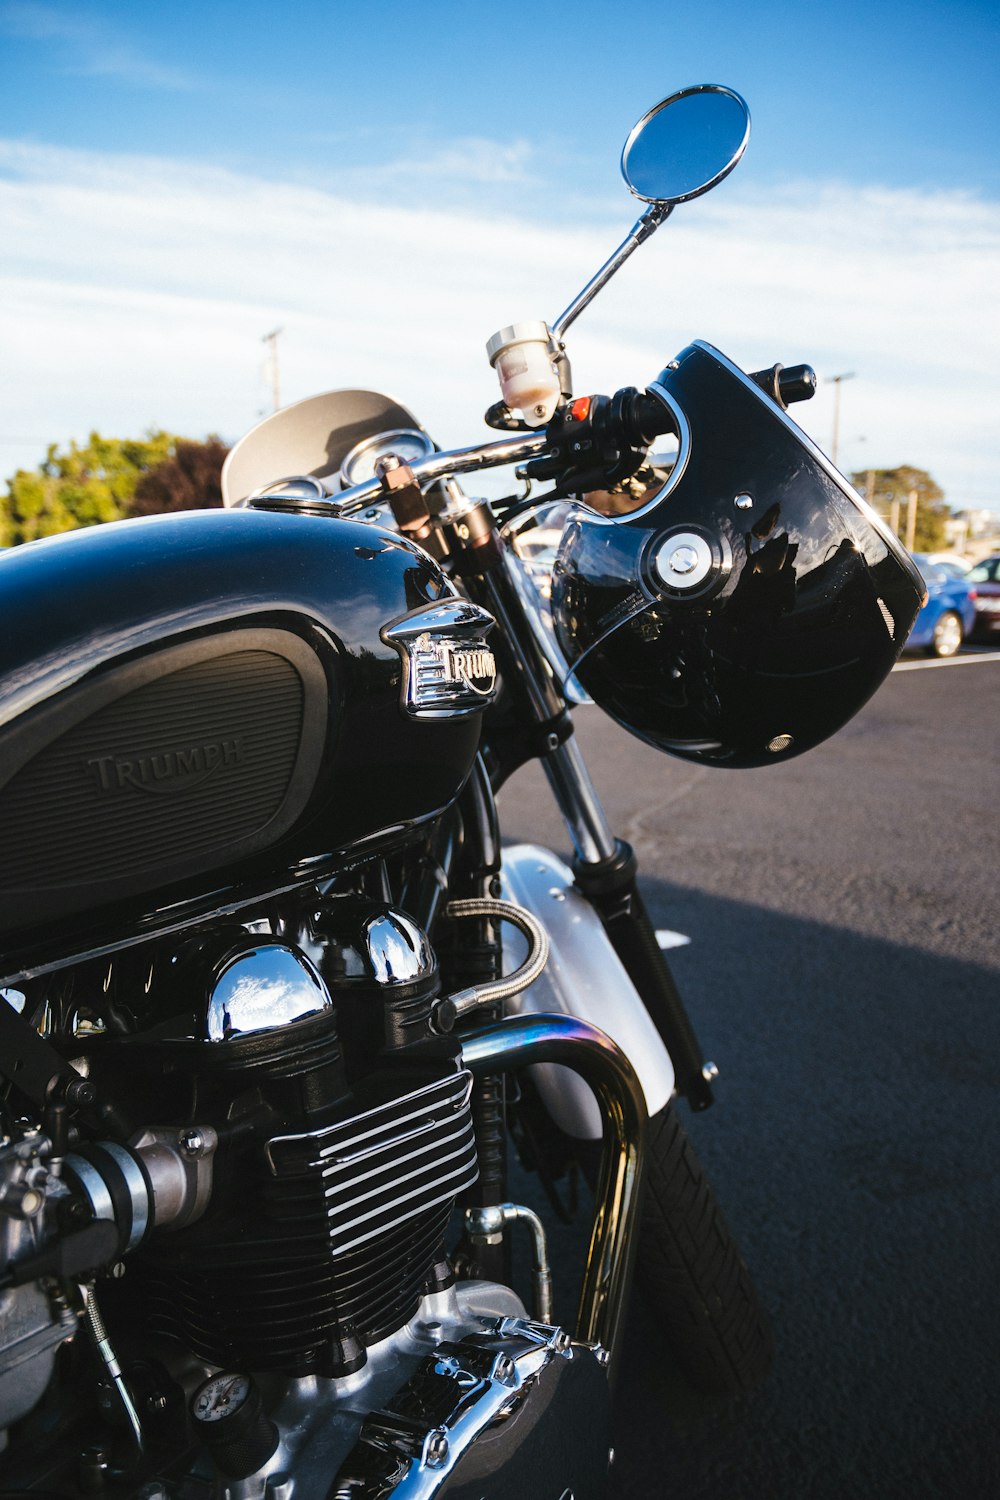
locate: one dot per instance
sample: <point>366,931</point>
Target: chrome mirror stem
<point>651,220</point>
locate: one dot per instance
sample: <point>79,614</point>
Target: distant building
<point>973,533</point>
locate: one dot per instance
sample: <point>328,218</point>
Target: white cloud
<point>137,290</point>
<point>468,159</point>
<point>88,46</point>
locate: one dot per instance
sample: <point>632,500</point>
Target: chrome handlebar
<point>426,470</point>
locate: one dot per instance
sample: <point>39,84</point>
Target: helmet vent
<point>890,623</point>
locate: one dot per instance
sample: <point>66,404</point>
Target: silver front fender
<point>584,978</point>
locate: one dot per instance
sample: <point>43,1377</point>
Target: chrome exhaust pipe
<point>521,1040</point>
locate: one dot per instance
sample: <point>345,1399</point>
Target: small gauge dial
<point>406,442</point>
<point>220,1397</point>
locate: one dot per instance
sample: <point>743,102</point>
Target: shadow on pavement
<point>854,1150</point>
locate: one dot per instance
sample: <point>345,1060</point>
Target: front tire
<point>691,1271</point>
<point>947,635</point>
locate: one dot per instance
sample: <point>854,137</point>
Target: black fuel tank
<point>199,702</point>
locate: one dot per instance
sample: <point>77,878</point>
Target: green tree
<point>190,480</point>
<point>80,487</point>
<point>885,486</point>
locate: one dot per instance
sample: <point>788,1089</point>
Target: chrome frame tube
<point>585,818</point>
<point>640,231</point>
<point>522,1040</point>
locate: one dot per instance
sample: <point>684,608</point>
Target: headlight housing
<point>752,607</point>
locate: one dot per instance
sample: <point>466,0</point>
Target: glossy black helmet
<point>753,605</point>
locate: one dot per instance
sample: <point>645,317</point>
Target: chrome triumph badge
<point>448,669</point>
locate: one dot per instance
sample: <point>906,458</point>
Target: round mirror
<point>686,144</point>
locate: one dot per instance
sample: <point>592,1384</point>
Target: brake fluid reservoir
<point>522,354</point>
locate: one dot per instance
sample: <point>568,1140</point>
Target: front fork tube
<point>611,888</point>
<point>604,867</point>
<point>605,870</point>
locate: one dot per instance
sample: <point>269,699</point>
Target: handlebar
<point>591,443</point>
<point>425,472</point>
<point>796,383</point>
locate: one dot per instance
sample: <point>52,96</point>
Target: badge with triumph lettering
<point>448,669</point>
<point>165,771</point>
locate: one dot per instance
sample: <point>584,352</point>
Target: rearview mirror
<point>686,144</point>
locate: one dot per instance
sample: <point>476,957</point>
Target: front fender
<point>584,978</point>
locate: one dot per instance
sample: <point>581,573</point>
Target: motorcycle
<point>277,997</point>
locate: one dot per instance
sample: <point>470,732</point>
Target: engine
<point>232,1274</point>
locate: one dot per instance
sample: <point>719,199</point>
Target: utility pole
<point>272,339</point>
<point>911,520</point>
<point>837,382</point>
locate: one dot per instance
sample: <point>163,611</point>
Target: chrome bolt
<point>484,1226</point>
<point>504,1371</point>
<point>387,463</point>
<point>191,1142</point>
<point>435,1453</point>
<point>683,560</point>
<point>561,1341</point>
<point>743,502</point>
<point>710,1072</point>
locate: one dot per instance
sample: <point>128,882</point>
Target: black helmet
<point>753,605</point>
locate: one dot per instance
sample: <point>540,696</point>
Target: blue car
<point>949,614</point>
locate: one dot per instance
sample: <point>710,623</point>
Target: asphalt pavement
<point>843,971</point>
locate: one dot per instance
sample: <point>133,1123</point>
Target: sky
<point>388,185</point>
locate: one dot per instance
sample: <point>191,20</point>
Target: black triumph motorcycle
<point>276,997</point>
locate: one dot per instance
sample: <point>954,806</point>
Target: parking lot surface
<point>843,970</point>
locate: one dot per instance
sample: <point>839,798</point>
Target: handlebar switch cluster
<point>596,442</point>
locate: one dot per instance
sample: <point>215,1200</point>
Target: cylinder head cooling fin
<point>334,1245</point>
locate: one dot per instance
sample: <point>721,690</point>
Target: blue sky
<point>172,176</point>
<point>905,94</point>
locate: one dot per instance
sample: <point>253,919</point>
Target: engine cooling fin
<point>365,1176</point>
<point>339,1247</point>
